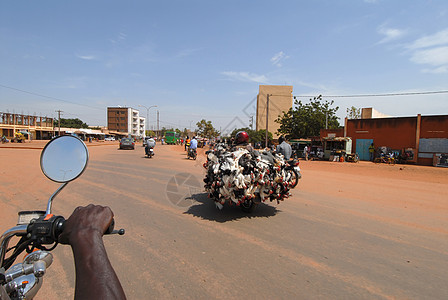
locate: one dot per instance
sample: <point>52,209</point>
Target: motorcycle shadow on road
<point>205,208</point>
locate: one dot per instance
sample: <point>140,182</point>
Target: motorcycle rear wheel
<point>248,206</point>
<point>294,178</point>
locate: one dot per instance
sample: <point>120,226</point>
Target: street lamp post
<point>147,115</point>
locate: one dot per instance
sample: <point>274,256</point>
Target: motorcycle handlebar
<point>46,230</point>
<point>110,230</point>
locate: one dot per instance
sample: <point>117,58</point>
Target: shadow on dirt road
<point>205,208</point>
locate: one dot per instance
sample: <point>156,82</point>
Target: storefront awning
<point>118,133</point>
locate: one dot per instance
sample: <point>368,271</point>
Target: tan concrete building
<point>38,127</point>
<point>280,100</point>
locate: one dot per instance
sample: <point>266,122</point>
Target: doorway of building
<point>362,148</point>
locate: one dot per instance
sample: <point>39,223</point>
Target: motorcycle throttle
<point>46,229</point>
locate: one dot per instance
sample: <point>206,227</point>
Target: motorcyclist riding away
<point>193,144</point>
<point>242,141</point>
<point>284,148</point>
<point>187,143</point>
<point>150,143</point>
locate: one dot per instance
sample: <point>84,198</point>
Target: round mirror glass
<point>64,158</point>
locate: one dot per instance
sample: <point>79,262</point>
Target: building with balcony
<point>125,120</point>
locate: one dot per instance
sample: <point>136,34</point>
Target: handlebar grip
<point>60,224</point>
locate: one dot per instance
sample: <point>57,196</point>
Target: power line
<point>48,97</point>
<point>172,124</point>
<point>376,95</point>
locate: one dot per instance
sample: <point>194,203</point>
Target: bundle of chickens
<point>237,175</point>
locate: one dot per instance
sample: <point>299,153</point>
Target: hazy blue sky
<point>206,58</point>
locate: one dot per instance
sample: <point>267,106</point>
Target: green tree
<point>70,123</point>
<point>353,113</point>
<point>260,136</point>
<point>206,129</point>
<point>150,133</point>
<point>164,130</point>
<point>306,120</point>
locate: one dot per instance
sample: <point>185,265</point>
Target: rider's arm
<point>95,277</point>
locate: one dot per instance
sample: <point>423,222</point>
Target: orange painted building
<point>426,135</point>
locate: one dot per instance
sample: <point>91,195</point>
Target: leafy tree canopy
<point>306,120</point>
<point>70,123</point>
<point>150,133</point>
<point>164,130</point>
<point>353,113</point>
<point>206,129</point>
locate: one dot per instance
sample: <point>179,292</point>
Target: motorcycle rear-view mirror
<point>64,158</point>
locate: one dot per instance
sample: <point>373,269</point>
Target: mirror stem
<point>50,201</point>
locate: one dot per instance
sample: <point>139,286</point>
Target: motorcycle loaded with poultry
<point>62,160</point>
<point>246,178</point>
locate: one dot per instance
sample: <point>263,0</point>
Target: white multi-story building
<point>126,120</point>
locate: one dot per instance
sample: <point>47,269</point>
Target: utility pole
<point>158,132</point>
<point>267,113</point>
<point>59,121</point>
<point>267,119</point>
<point>251,122</point>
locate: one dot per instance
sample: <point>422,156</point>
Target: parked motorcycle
<point>354,157</point>
<point>62,160</point>
<point>192,153</point>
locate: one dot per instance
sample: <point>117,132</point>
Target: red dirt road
<point>350,231</point>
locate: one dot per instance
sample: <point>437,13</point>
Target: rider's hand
<point>95,276</point>
<point>86,222</point>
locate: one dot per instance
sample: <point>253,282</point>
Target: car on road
<point>110,138</point>
<point>127,143</point>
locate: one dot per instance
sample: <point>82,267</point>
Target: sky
<point>205,59</point>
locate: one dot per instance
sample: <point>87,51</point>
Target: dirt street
<point>350,231</point>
